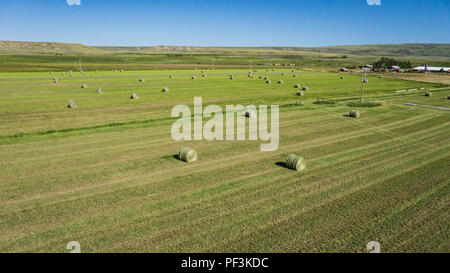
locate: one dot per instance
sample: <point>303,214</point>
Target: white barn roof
<point>432,68</point>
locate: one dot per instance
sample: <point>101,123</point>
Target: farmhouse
<point>432,69</point>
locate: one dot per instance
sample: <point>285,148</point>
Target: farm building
<point>343,69</point>
<point>395,68</point>
<point>432,69</point>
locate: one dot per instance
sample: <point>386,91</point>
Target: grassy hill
<point>29,48</point>
<point>418,50</point>
<point>45,56</point>
<point>398,50</point>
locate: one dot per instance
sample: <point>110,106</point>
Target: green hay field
<point>104,174</point>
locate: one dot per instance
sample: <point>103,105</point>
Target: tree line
<point>387,63</point>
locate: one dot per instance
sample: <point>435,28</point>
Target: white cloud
<point>73,2</point>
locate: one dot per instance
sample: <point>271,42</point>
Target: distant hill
<point>390,50</point>
<point>156,49</point>
<point>30,48</point>
<point>399,50</point>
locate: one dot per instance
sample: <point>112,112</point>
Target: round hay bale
<point>193,77</point>
<point>448,97</point>
<point>134,96</point>
<point>250,113</point>
<point>280,82</point>
<point>84,85</point>
<point>268,81</point>
<point>72,104</point>
<point>260,77</point>
<point>231,77</point>
<point>283,74</point>
<point>297,85</point>
<point>250,75</point>
<point>342,77</point>
<point>203,75</point>
<point>380,77</point>
<point>300,93</point>
<point>295,162</point>
<point>141,80</point>
<point>165,89</point>
<point>99,91</point>
<point>305,88</point>
<point>428,94</point>
<point>170,77</point>
<point>187,155</point>
<point>295,76</point>
<point>354,114</point>
<point>202,71</point>
<point>364,80</point>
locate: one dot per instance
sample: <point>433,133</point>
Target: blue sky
<point>226,22</point>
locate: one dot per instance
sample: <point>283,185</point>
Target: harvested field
<point>105,173</point>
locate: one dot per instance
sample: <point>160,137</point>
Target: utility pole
<point>364,81</point>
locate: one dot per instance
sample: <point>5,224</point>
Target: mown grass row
<point>206,180</point>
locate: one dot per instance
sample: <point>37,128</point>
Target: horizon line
<point>221,46</point>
